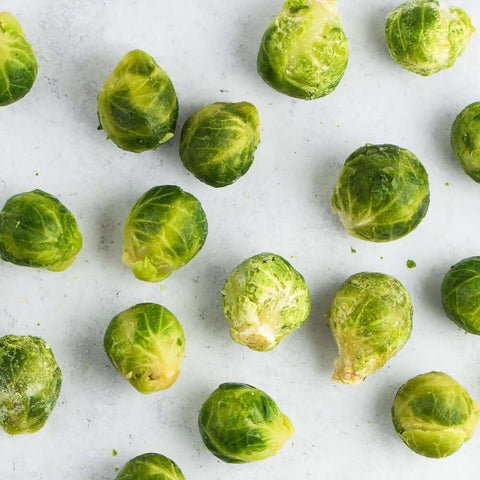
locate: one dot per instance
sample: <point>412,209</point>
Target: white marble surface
<point>49,141</point>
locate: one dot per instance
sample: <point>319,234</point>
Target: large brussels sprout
<point>150,466</point>
<point>146,345</point>
<point>381,193</point>
<point>218,142</point>
<point>304,51</point>
<point>264,300</point>
<point>239,424</point>
<point>434,415</point>
<point>138,106</point>
<point>371,319</point>
<point>37,230</point>
<point>30,382</point>
<point>164,230</point>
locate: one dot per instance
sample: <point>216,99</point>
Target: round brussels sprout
<point>145,343</point>
<point>164,230</point>
<point>264,300</point>
<point>150,466</point>
<point>239,424</point>
<point>304,51</point>
<point>218,142</point>
<point>138,106</point>
<point>37,230</point>
<point>371,319</point>
<point>434,415</point>
<point>381,193</point>
<point>17,61</point>
<point>425,36</point>
<point>30,382</point>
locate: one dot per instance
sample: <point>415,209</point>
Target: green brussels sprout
<point>150,466</point>
<point>138,106</point>
<point>146,344</point>
<point>371,319</point>
<point>425,36</point>
<point>264,300</point>
<point>381,193</point>
<point>239,423</point>
<point>218,142</point>
<point>30,383</point>
<point>18,64</point>
<point>37,230</point>
<point>304,51</point>
<point>164,230</point>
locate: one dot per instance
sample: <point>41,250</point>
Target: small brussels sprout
<point>381,193</point>
<point>425,36</point>
<point>18,64</point>
<point>371,319</point>
<point>164,230</point>
<point>218,142</point>
<point>37,230</point>
<point>264,300</point>
<point>138,106</point>
<point>145,343</point>
<point>239,424</point>
<point>30,383</point>
<point>150,466</point>
<point>304,51</point>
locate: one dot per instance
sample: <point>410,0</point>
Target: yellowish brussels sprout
<point>150,466</point>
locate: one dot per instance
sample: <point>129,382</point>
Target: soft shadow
<point>375,36</point>
<point>432,282</point>
<point>441,137</point>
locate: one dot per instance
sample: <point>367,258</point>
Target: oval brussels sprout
<point>264,300</point>
<point>239,424</point>
<point>381,193</point>
<point>138,106</point>
<point>150,466</point>
<point>37,230</point>
<point>371,319</point>
<point>30,382</point>
<point>164,230</point>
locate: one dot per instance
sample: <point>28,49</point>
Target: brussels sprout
<point>218,142</point>
<point>371,319</point>
<point>264,300</point>
<point>150,466</point>
<point>30,382</point>
<point>239,424</point>
<point>138,106</point>
<point>381,193</point>
<point>304,51</point>
<point>18,65</point>
<point>37,230</point>
<point>425,36</point>
<point>146,345</point>
<point>164,230</point>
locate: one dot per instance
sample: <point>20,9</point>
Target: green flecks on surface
<point>447,184</point>
<point>352,250</point>
<point>114,453</point>
<point>411,264</point>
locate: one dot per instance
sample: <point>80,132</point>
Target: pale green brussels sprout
<point>304,51</point>
<point>138,106</point>
<point>30,383</point>
<point>239,423</point>
<point>264,300</point>
<point>37,230</point>
<point>381,193</point>
<point>371,319</point>
<point>218,142</point>
<point>146,344</point>
<point>164,230</point>
<point>150,466</point>
<point>426,36</point>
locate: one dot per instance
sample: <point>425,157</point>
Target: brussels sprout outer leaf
<point>150,466</point>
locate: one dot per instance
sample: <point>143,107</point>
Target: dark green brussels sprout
<point>425,36</point>
<point>434,415</point>
<point>150,466</point>
<point>304,51</point>
<point>371,319</point>
<point>218,142</point>
<point>146,345</point>
<point>381,193</point>
<point>18,65</point>
<point>37,230</point>
<point>138,106</point>
<point>30,382</point>
<point>164,230</point>
<point>264,300</point>
<point>239,424</point>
